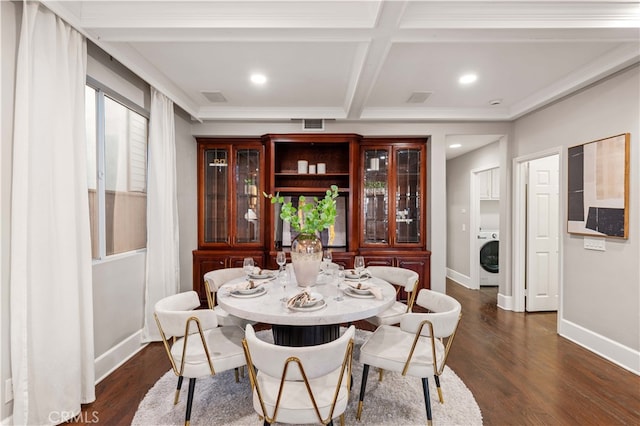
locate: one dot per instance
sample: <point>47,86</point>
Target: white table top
<point>268,308</point>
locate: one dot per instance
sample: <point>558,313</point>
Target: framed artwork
<point>598,188</point>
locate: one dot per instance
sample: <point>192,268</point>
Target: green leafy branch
<point>309,217</point>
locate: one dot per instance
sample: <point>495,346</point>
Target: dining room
<point>117,354</point>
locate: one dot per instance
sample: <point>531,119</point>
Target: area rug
<point>397,400</point>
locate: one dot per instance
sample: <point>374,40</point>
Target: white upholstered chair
<point>418,348</point>
<point>195,345</point>
<point>308,384</point>
<point>400,278</point>
<point>215,279</point>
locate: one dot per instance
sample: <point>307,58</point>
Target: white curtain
<point>52,359</point>
<point>163,261</point>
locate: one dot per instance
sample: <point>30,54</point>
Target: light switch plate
<point>594,243</point>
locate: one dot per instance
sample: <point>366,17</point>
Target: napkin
<point>299,299</point>
<point>375,290</point>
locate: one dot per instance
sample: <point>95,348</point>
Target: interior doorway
<point>484,226</point>
<point>537,243</point>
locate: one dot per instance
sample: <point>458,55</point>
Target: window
<point>117,175</point>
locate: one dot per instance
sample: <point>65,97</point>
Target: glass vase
<point>306,257</point>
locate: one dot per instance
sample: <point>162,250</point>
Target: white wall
<point>186,154</point>
<point>601,290</point>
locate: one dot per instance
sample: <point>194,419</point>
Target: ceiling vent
<point>418,97</point>
<point>313,124</point>
<point>215,97</point>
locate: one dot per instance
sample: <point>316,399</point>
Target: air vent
<point>418,97</point>
<point>315,124</point>
<point>214,97</point>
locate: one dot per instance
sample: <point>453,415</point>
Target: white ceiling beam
<point>229,14</point>
<point>522,14</point>
<point>604,66</point>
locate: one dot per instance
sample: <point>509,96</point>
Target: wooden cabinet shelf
<point>381,205</point>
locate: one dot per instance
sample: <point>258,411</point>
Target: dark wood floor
<point>519,370</point>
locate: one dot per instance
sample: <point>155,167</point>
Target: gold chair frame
<point>167,348</point>
<point>437,370</point>
<point>346,363</point>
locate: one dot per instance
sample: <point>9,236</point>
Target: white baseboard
<point>106,363</point>
<point>621,355</point>
<point>461,279</point>
<point>505,302</point>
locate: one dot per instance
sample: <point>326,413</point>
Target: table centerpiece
<point>308,219</point>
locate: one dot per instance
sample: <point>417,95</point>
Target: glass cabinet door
<point>376,196</point>
<point>216,206</point>
<point>248,214</point>
<point>408,195</point>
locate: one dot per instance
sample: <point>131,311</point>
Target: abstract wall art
<point>598,188</point>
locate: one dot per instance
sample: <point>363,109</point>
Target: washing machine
<point>488,245</point>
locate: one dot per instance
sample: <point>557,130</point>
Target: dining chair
<point>401,278</point>
<point>215,279</point>
<point>418,348</point>
<point>195,344</point>
<point>307,384</point>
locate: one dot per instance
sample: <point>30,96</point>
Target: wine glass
<point>326,260</point>
<point>284,280</point>
<point>247,265</point>
<point>339,282</point>
<point>358,265</point>
<point>281,259</point>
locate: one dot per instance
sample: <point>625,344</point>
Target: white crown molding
<point>439,114</point>
<point>268,113</point>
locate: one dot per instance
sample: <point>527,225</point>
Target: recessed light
<point>258,78</point>
<point>455,145</point>
<point>468,78</point>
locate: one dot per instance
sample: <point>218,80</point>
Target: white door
<point>543,227</point>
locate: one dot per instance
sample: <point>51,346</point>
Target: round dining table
<point>293,326</point>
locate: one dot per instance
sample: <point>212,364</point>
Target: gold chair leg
<point>236,374</point>
<point>342,419</point>
<point>440,395</point>
<point>359,411</point>
<point>177,397</point>
<point>380,374</point>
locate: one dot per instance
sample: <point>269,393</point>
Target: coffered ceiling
<point>363,60</point>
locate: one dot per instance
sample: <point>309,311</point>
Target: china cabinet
<point>381,207</point>
<point>338,154</point>
<point>393,207</point>
<point>230,205</point>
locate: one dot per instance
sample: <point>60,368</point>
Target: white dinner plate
<point>349,292</point>
<point>254,292</point>
<point>262,275</point>
<point>315,307</point>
